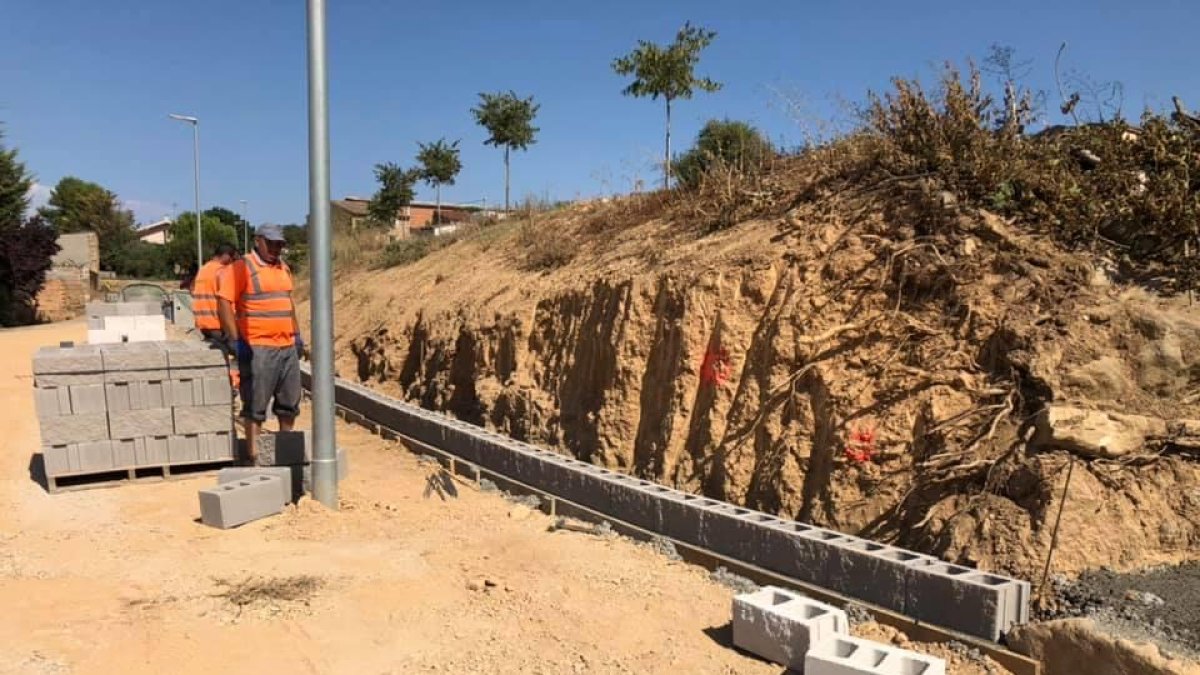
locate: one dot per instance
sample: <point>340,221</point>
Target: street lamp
<point>195,122</point>
<point>245,227</point>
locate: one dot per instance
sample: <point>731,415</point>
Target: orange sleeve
<point>230,281</point>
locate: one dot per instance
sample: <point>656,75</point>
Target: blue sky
<point>85,86</point>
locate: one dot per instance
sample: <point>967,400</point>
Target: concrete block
<point>977,603</point>
<point>217,446</point>
<point>152,451</point>
<point>217,390</point>
<point>124,452</point>
<point>60,459</point>
<point>780,625</point>
<point>283,448</point>
<point>124,396</point>
<point>193,354</point>
<point>183,448</point>
<point>75,429</point>
<point>77,359</point>
<point>290,488</point>
<point>870,571</point>
<point>134,356</point>
<point>155,375</point>
<point>186,393</point>
<point>101,309</point>
<point>52,402</point>
<point>87,398</point>
<point>135,423</point>
<point>67,379</point>
<point>203,419</point>
<point>845,655</point>
<point>95,456</point>
<point>237,502</point>
<point>139,308</point>
<point>209,390</point>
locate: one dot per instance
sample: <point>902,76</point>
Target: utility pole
<point>245,228</point>
<point>325,487</point>
<point>195,122</point>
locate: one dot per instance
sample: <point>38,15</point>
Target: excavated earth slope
<point>838,364</point>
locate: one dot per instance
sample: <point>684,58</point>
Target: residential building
<point>415,219</point>
<point>156,233</point>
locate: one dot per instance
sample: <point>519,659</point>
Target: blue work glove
<point>243,350</point>
<point>299,343</point>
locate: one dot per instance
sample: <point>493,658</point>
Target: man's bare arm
<point>228,322</point>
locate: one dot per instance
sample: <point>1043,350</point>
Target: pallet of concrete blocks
<point>68,390</point>
<point>845,655</point>
<point>780,625</point>
<point>115,322</point>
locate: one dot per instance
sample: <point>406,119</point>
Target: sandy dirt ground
<point>126,580</point>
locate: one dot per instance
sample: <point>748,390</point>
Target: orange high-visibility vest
<point>263,295</point>
<point>204,296</point>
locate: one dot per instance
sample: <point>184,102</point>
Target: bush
<point>410,250</point>
<point>26,250</point>
<point>544,250</point>
<point>726,144</point>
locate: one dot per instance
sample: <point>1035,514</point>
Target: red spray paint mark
<point>861,445</point>
<point>715,368</point>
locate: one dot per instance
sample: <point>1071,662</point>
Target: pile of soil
<point>920,379</point>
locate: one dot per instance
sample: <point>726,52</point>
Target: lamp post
<point>195,122</point>
<point>245,228</point>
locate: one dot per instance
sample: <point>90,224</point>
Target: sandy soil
<point>126,580</point>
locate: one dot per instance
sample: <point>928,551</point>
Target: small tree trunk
<point>667,158</point>
<point>437,214</point>
<point>506,179</point>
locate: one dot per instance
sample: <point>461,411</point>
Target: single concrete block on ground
<point>52,402</point>
<point>193,354</point>
<point>124,452</point>
<point>87,398</point>
<point>134,356</point>
<point>241,501</point>
<point>203,419</point>
<point>78,359</point>
<point>135,423</point>
<point>152,451</point>
<point>845,655</point>
<point>290,487</point>
<point>283,448</point>
<point>95,456</point>
<point>75,429</point>
<point>183,448</point>
<point>780,625</point>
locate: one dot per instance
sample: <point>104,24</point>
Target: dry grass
<point>268,591</point>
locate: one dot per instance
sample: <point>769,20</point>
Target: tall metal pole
<point>196,158</point>
<point>320,263</point>
<point>245,228</point>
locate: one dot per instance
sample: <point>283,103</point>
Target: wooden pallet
<point>72,482</point>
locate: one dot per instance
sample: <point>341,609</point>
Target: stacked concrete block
<point>120,322</point>
<point>201,401</point>
<point>236,502</point>
<point>780,625</point>
<point>74,426</point>
<point>845,655</point>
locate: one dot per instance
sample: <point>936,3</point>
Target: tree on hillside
<point>732,144</point>
<point>509,122</point>
<point>77,205</point>
<point>181,249</point>
<point>233,220</point>
<point>439,165</point>
<point>26,246</point>
<point>395,192</point>
<point>667,71</point>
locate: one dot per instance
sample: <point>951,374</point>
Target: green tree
<point>732,144</point>
<point>439,166</point>
<point>233,220</point>
<point>181,249</point>
<point>15,182</point>
<point>667,71</point>
<point>395,192</point>
<point>77,205</point>
<point>509,122</point>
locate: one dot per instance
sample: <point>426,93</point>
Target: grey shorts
<point>271,373</point>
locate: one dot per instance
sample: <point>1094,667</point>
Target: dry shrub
<point>545,249</point>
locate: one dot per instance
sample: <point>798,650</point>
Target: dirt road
<point>125,580</point>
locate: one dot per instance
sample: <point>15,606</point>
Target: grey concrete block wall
<point>135,423</point>
<point>978,603</point>
<point>75,429</point>
<point>780,625</point>
<point>289,488</point>
<point>203,419</point>
<point>846,655</point>
<point>238,502</point>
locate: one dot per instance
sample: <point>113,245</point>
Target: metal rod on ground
<point>1054,534</point>
<point>320,261</point>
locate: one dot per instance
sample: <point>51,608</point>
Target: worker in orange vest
<point>204,302</point>
<point>258,315</point>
